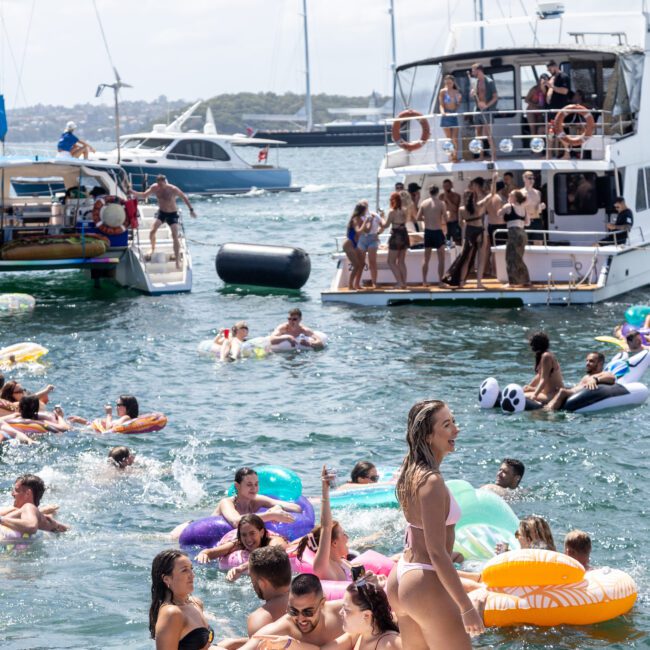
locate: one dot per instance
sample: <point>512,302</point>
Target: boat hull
<point>368,137</point>
<point>211,181</point>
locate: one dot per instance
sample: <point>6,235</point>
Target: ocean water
<point>90,587</point>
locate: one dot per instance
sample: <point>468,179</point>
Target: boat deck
<point>493,293</point>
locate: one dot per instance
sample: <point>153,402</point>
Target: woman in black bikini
<point>176,619</point>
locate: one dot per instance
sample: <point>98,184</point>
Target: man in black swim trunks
<point>167,212</point>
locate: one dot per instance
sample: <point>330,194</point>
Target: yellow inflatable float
<point>25,352</point>
<point>545,588</point>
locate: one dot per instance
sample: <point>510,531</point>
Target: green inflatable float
<point>486,520</point>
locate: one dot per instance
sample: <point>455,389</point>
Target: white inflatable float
<point>512,400</point>
<point>260,346</point>
<point>25,352</point>
<point>16,303</point>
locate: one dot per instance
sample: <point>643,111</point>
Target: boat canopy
<point>612,76</point>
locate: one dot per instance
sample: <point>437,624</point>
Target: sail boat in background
<point>359,126</point>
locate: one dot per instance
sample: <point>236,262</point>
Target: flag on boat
<point>263,154</point>
<point>3,118</point>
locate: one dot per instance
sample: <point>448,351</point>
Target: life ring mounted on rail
<point>396,132</point>
<point>580,138</point>
<point>110,215</point>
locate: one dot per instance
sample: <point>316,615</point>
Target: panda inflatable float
<point>511,399</point>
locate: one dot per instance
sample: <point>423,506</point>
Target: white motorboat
<point>198,162</point>
<point>608,159</point>
<point>83,221</point>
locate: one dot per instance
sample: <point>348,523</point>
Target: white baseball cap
<point>70,126</point>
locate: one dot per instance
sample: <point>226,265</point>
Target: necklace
<point>184,602</point>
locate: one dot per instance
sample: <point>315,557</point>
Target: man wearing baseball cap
<point>69,143</point>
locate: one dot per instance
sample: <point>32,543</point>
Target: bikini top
<point>452,518</point>
<point>197,639</point>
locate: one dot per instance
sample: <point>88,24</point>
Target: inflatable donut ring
<point>143,424</point>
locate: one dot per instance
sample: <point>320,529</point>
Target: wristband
<point>468,611</point>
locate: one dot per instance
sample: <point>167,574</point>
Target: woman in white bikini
<point>424,589</point>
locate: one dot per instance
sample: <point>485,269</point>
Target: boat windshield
<point>152,144</point>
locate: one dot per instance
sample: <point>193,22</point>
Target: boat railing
<point>514,134</point>
<point>30,152</point>
<point>560,238</point>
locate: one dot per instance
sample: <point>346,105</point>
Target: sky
<point>52,52</point>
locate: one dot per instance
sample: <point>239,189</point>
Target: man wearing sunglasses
<point>294,332</point>
<point>309,618</point>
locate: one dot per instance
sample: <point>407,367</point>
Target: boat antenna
<point>478,15</point>
<point>115,86</point>
<point>308,108</point>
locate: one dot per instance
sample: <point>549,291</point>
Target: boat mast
<point>478,15</point>
<point>393,52</point>
<point>308,109</point>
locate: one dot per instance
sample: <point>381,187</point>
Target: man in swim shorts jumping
<point>594,377</point>
<point>167,195</point>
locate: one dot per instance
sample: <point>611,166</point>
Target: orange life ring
<point>579,139</point>
<point>397,133</point>
<point>98,208</point>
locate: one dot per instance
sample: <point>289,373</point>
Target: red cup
<point>226,333</point>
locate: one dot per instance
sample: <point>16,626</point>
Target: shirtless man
<point>594,377</point>
<point>534,206</point>
<point>270,573</point>
<point>492,203</point>
<point>452,201</point>
<point>24,516</point>
<point>292,329</point>
<point>309,618</point>
<point>548,375</point>
<point>167,212</point>
<point>508,478</point>
<point>433,212</point>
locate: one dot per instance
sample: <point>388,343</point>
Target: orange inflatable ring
<point>30,429</point>
<point>397,133</point>
<point>143,424</point>
<point>100,205</point>
<point>579,139</point>
<point>539,587</point>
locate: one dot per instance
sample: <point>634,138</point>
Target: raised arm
<point>322,556</point>
<point>143,195</point>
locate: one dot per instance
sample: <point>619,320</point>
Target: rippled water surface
<point>90,587</point>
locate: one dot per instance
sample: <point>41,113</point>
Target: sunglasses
<point>309,612</point>
<point>19,390</point>
<point>293,318</point>
<point>374,478</point>
<point>119,403</point>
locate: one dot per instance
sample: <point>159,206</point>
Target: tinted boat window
<point>200,150</point>
<point>156,144</point>
<point>576,193</point>
<point>132,142</point>
<point>641,201</point>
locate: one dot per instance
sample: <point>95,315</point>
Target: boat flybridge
<point>606,156</point>
<point>63,213</point>
<point>198,162</point>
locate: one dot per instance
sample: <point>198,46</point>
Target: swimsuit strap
<point>381,637</point>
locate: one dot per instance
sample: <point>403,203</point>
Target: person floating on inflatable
<point>508,478</point>
<point>70,144</point>
<point>296,333</point>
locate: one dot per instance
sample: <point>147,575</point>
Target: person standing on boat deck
<point>514,214</point>
<point>548,375</point>
<point>369,242</point>
<point>534,207</point>
<point>624,221</point>
<point>509,182</point>
<point>414,193</point>
<point>70,143</point>
<point>424,589</point>
<point>492,203</point>
<point>452,202</point>
<point>558,95</point>
<point>486,97</point>
<point>432,211</point>
<point>167,194</point>
<point>351,248</point>
<point>399,186</point>
<point>449,101</point>
<point>399,238</point>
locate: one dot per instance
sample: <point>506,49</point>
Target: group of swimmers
<point>293,332</point>
<point>426,602</point>
<point>433,223</point>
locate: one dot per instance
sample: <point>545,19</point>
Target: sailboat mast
<point>308,108</point>
<point>393,53</point>
<point>478,15</point>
